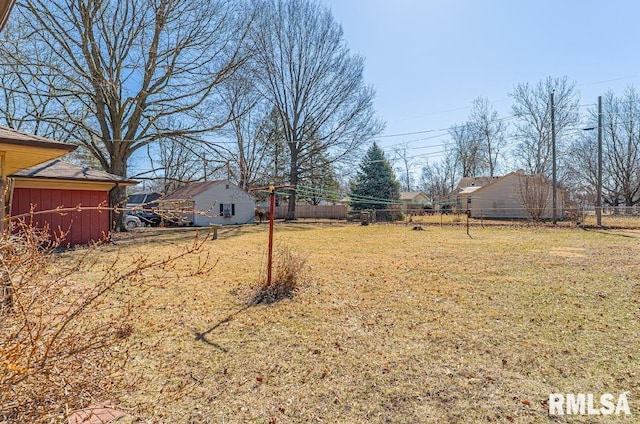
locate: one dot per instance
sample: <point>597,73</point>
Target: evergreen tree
<point>376,186</point>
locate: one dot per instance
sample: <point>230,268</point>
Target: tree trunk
<point>118,195</point>
<point>117,199</point>
<point>293,180</point>
<point>490,156</point>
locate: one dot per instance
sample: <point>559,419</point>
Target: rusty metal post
<point>272,213</point>
<point>468,213</point>
<point>272,207</point>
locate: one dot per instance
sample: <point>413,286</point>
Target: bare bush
<point>288,271</point>
<point>534,194</point>
<point>64,328</point>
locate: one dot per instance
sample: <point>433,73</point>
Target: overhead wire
<point>307,190</point>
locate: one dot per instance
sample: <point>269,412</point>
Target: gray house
<point>211,202</point>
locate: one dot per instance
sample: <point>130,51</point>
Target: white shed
<point>211,202</point>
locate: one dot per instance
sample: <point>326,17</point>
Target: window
<point>227,210</point>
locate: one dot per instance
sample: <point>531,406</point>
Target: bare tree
<point>534,190</point>
<point>434,181</point>
<point>581,164</point>
<point>533,121</point>
<point>173,163</point>
<point>306,72</point>
<point>621,147</point>
<point>27,90</point>
<point>127,65</point>
<point>438,180</point>
<point>489,131</point>
<point>621,153</point>
<point>402,156</point>
<point>468,149</point>
<point>248,132</point>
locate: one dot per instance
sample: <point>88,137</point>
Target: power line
<point>405,134</point>
<point>609,80</point>
<point>301,189</point>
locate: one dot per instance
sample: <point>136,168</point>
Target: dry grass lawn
<point>392,325</point>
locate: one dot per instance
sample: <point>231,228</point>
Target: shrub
<point>288,269</point>
<point>64,337</point>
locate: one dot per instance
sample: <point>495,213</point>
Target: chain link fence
<point>612,216</point>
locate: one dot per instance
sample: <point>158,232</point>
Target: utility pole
<point>553,152</point>
<point>599,185</point>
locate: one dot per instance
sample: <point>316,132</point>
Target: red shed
<point>79,194</point>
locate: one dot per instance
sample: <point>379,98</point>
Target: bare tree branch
<point>123,68</point>
<point>306,72</point>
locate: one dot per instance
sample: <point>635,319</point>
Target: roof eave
<point>88,180</point>
<point>40,143</point>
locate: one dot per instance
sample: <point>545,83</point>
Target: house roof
<point>60,170</point>
<point>191,190</point>
<point>492,182</point>
<point>475,181</point>
<point>11,136</point>
<point>22,150</point>
<point>410,196</point>
<point>143,198</point>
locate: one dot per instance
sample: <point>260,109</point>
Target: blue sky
<point>429,59</point>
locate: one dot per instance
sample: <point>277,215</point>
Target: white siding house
<point>211,202</point>
<point>514,195</point>
<point>414,197</point>
<point>413,201</point>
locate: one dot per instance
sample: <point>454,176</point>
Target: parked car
<point>142,205</point>
<point>148,218</point>
<point>132,221</point>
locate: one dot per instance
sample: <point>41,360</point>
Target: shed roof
<point>191,189</point>
<point>60,170</point>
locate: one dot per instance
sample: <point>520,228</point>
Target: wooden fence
<point>314,211</point>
